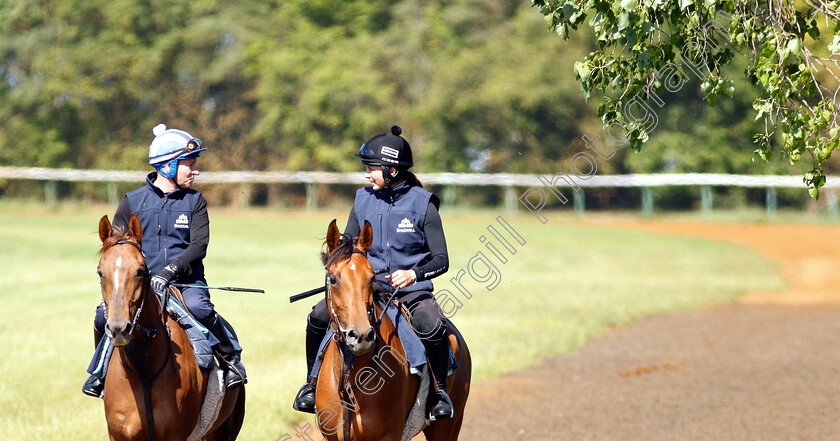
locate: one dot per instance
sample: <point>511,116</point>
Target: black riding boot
<point>94,386</point>
<point>305,399</point>
<point>440,405</point>
<point>234,370</point>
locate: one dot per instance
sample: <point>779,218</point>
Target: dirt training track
<point>764,368</point>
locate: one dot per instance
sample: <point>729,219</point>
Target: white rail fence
<point>546,185</point>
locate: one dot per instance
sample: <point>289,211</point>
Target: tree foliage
<point>477,85</point>
<point>648,48</point>
<point>295,85</point>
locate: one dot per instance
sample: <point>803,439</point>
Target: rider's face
<point>187,172</point>
<point>374,175</point>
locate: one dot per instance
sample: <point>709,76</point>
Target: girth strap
<point>150,416</point>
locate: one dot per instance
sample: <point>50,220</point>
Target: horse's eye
<point>141,273</point>
<point>100,273</point>
<point>333,280</point>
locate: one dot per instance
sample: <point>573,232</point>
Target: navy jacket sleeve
<point>199,239</point>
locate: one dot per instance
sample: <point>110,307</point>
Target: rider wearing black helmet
<point>410,243</point>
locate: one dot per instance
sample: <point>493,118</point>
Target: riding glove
<point>161,280</point>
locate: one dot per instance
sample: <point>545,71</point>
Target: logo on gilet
<point>182,221</point>
<point>405,226</point>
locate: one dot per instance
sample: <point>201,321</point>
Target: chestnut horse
<point>154,388</point>
<point>365,388</point>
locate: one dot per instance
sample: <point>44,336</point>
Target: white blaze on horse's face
<point>122,274</point>
<point>117,266</point>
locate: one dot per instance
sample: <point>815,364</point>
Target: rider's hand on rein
<point>401,278</point>
<point>161,280</point>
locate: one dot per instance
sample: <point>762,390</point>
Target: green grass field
<point>564,285</point>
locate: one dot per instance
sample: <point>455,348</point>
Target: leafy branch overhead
<point>648,48</point>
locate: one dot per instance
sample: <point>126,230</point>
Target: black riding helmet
<point>387,150</point>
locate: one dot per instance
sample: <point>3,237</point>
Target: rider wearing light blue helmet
<point>169,147</point>
<point>176,234</point>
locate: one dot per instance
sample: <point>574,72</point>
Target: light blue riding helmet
<point>170,146</point>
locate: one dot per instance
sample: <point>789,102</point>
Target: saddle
<point>201,339</point>
<point>450,334</point>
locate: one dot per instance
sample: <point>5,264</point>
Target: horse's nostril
<point>370,334</point>
<point>353,334</point>
<point>120,327</point>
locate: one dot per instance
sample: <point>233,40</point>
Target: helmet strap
<point>387,177</point>
<point>172,174</point>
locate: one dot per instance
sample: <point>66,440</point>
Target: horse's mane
<point>342,252</point>
<point>118,233</point>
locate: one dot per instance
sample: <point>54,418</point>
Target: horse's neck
<point>145,352</point>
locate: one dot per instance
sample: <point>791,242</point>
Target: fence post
<point>579,200</point>
<point>311,196</point>
<point>511,199</point>
<point>51,193</point>
<point>772,201</point>
<point>647,201</point>
<point>449,196</point>
<point>831,204</point>
<point>244,195</point>
<point>112,193</point>
<point>706,199</point>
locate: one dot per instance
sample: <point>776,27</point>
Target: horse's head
<point>123,277</point>
<point>349,291</point>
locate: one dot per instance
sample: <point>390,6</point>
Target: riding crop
<point>321,289</point>
<point>223,288</point>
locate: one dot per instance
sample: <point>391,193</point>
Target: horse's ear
<point>104,228</point>
<point>135,228</point>
<point>333,236</point>
<point>365,238</point>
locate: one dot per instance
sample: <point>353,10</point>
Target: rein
<point>150,334</point>
<point>384,309</point>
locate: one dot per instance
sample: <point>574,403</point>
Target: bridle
<point>342,331</point>
<point>150,332</point>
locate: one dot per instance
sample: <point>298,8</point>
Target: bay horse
<point>365,390</point>
<point>154,388</point>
